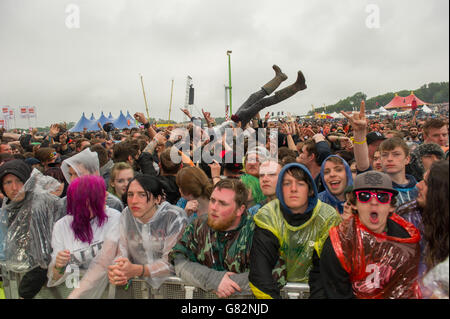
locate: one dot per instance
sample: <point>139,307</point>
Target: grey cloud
<point>64,72</point>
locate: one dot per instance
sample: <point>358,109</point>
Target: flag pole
<point>229,79</point>
<point>145,99</point>
<point>170,105</point>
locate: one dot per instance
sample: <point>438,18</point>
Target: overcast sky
<point>345,46</point>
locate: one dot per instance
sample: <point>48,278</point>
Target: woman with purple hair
<point>139,247</point>
<point>78,237</point>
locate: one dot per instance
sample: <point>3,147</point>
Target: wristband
<point>147,125</point>
<point>61,270</point>
<point>143,271</point>
<point>359,143</point>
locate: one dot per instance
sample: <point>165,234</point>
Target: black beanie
<point>16,167</point>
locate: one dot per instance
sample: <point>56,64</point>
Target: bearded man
<point>214,251</point>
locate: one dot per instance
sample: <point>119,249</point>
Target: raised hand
<point>208,117</point>
<point>140,117</point>
<point>54,130</point>
<point>186,111</point>
<point>293,128</point>
<point>358,120</point>
<point>215,168</point>
<point>346,143</point>
<point>359,124</point>
<point>308,132</point>
<point>298,130</point>
<point>288,129</point>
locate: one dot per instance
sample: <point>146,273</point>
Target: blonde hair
<point>120,166</point>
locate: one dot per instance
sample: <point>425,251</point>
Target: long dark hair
<point>435,214</point>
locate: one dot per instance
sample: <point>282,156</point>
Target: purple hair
<point>85,194</point>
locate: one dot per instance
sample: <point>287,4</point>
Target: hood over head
<point>312,201</point>
<point>327,196</point>
<point>18,168</point>
<point>83,163</point>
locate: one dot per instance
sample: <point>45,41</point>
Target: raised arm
<point>289,132</point>
<point>140,117</point>
<point>209,120</point>
<point>360,148</point>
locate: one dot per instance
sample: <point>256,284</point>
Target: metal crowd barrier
<point>172,288</point>
<point>175,288</point>
<point>11,282</point>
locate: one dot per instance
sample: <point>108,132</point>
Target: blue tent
<point>110,117</point>
<point>92,117</point>
<point>121,122</point>
<point>84,122</point>
<point>103,119</point>
<point>131,119</point>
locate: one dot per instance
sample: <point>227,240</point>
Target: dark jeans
<point>32,283</point>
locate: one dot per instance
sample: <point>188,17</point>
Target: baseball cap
<point>374,136</point>
<point>373,180</point>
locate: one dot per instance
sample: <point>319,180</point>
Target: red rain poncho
<point>380,266</point>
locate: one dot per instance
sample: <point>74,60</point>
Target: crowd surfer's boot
<point>273,84</point>
<point>246,112</point>
<point>290,90</point>
<point>279,96</point>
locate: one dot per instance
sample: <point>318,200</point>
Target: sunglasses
<point>382,197</point>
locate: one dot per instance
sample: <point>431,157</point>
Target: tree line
<point>432,93</point>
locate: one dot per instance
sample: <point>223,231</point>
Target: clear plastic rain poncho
<point>436,281</point>
<point>26,226</point>
<point>87,163</point>
<point>146,244</point>
<point>379,266</point>
<point>83,163</point>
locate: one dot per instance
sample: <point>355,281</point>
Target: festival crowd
<point>354,207</point>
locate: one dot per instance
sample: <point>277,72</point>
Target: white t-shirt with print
<point>81,253</point>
